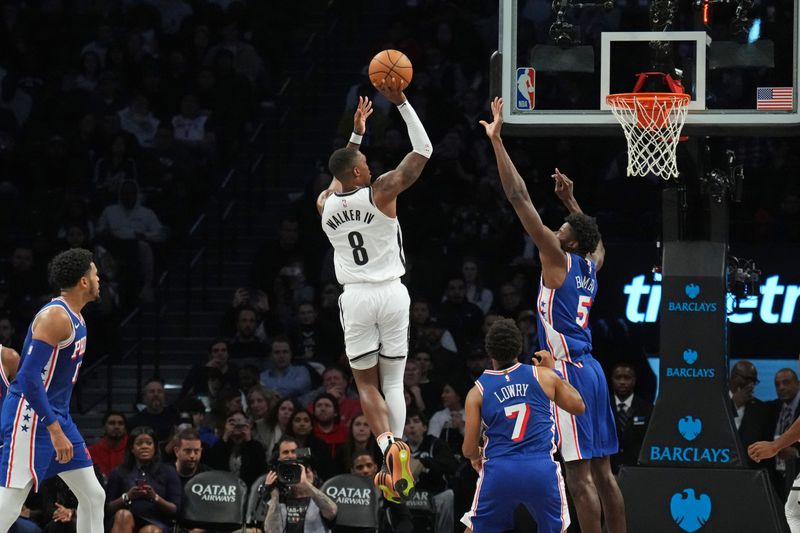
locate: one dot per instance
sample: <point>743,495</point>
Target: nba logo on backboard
<point>526,89</point>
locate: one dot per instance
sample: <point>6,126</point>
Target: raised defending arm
<point>553,258</point>
<point>562,393</point>
<point>564,191</point>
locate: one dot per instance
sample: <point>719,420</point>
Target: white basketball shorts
<point>375,321</point>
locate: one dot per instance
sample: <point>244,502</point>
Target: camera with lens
<point>288,471</point>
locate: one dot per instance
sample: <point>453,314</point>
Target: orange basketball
<point>390,63</point>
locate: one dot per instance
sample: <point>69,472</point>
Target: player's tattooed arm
<point>472,431</point>
<point>564,188</point>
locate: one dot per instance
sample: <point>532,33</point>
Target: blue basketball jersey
<point>564,312</point>
<point>61,371</point>
<point>518,418</point>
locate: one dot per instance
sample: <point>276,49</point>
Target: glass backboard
<point>737,59</point>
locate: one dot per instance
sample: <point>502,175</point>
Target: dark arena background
<point>184,142</point>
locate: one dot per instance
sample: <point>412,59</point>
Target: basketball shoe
<point>383,480</point>
<point>398,459</point>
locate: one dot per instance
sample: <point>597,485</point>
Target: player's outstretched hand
<point>762,450</point>
<point>62,446</point>
<point>493,128</point>
<point>392,89</point>
<point>564,186</point>
<point>544,358</point>
<point>363,111</point>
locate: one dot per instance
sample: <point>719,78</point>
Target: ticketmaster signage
<point>776,305</point>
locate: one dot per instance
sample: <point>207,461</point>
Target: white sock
<point>11,501</point>
<point>91,498</point>
<point>392,371</point>
<point>384,441</point>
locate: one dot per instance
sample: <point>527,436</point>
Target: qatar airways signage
<point>776,304</point>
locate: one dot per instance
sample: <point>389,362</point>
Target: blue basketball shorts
<point>534,481</point>
<point>594,433</point>
<point>28,452</point>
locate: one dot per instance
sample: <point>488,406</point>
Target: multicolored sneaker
<point>384,482</point>
<point>398,459</point>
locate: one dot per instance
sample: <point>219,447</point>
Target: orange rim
<point>646,99</point>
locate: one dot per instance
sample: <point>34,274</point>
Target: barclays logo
<point>689,427</point>
<point>692,290</point>
<point>688,511</point>
<point>689,357</point>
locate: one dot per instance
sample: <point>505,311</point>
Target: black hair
<point>218,340</point>
<point>332,398</point>
<point>130,461</point>
<point>504,341</point>
<point>792,372</point>
<point>109,414</point>
<point>417,413</point>
<point>67,268</point>
<point>342,161</point>
<point>586,232</point>
<point>624,364</point>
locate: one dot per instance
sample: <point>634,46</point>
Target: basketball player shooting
<point>360,220</point>
<point>514,403</point>
<point>40,440</point>
<point>570,258</point>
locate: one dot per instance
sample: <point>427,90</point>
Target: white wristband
<point>355,138</point>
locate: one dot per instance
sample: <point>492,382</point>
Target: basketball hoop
<point>652,123</point>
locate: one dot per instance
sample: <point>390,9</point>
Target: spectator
<point>282,376</point>
<point>237,452</point>
<point>155,414</point>
<point>113,168</point>
<point>59,506</point>
<point>310,508</point>
<point>411,382</point>
<point>432,464</point>
<point>142,491</point>
<point>301,428</point>
<point>109,452</point>
<point>8,333</point>
<point>475,291</point>
<point>632,415</point>
<point>431,390</point>
<point>276,253</point>
<point>196,381</point>
<point>192,127</point>
<point>526,322</point>
<point>246,347</point>
<point>751,415</point>
<point>419,324</point>
<point>448,423</point>
<point>197,410</point>
<point>336,382</point>
<point>394,517</point>
<point>291,288</point>
<point>786,410</point>
<point>438,342</point>
<point>188,455</point>
<point>313,341</point>
<point>511,304</point>
<point>137,120</point>
<point>260,401</point>
<point>131,230</point>
<point>279,418</point>
<point>328,426</point>
<point>359,440</point>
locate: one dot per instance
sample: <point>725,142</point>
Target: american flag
<point>775,98</point>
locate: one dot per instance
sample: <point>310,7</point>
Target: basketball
<point>388,63</point>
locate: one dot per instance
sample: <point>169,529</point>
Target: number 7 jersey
<point>367,244</point>
<point>517,416</point>
<point>564,312</point>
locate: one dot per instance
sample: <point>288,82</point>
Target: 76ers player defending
<point>40,439</point>
<point>514,403</point>
<point>570,258</point>
<point>361,223</point>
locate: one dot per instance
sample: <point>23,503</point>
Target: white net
<point>652,123</point>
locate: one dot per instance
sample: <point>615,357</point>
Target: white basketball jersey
<point>367,244</point>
